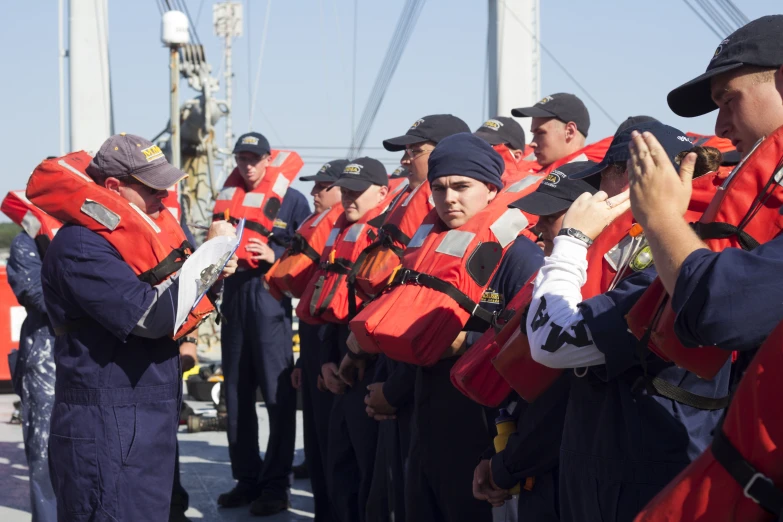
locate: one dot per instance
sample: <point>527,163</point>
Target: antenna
<point>227,19</point>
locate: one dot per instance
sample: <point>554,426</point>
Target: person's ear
<point>517,154</point>
<point>492,192</point>
<point>112,184</point>
<point>383,192</point>
<point>570,130</point>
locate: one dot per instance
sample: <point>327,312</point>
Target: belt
<point>119,396</point>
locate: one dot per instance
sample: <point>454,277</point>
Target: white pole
<point>61,63</point>
<point>174,106</point>
<point>229,93</point>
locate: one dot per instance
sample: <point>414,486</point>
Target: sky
<point>627,55</point>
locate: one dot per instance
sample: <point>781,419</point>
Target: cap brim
<point>358,185</point>
<point>590,171</point>
<point>162,177</point>
<point>540,204</point>
<point>491,137</point>
<point>400,142</point>
<point>248,148</point>
<point>532,112</point>
<point>694,98</point>
<point>317,177</point>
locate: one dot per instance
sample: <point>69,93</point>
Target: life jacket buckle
<point>751,482</point>
<point>408,280</point>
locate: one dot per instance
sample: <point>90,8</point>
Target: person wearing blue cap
<point>450,431</point>
<point>624,438</point>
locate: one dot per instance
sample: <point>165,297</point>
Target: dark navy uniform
<point>257,352</point>
<point>117,394</point>
<point>36,372</point>
<point>450,431</point>
<point>620,445</point>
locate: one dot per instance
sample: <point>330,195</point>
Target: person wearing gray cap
<point>118,386</point>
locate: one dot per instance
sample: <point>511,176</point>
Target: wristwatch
<point>576,234</point>
<point>188,340</point>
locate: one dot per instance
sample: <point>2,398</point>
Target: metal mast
<point>227,19</point>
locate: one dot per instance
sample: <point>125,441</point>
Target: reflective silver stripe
<point>30,224</point>
<point>54,231</point>
<point>320,218</point>
<point>418,238</point>
<point>280,158</point>
<point>618,252</point>
<point>281,186</point>
<point>523,183</point>
<point>227,194</point>
<point>146,218</point>
<point>73,169</point>
<point>174,212</point>
<point>253,200</point>
<point>353,233</point>
<point>455,243</point>
<point>581,157</point>
<point>332,236</point>
<point>21,195</point>
<point>410,196</point>
<point>400,187</point>
<point>508,226</point>
<point>101,214</point>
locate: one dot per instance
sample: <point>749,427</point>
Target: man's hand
<point>262,251</point>
<point>320,384</point>
<point>592,213</point>
<point>656,188</point>
<point>230,268</point>
<point>350,367</point>
<point>221,228</point>
<point>331,379</point>
<point>353,344</point>
<point>188,356</point>
<point>378,407</point>
<point>296,378</point>
<point>485,489</point>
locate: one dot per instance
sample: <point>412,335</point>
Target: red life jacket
<point>517,169</point>
<point>744,213</point>
<point>171,202</point>
<point>704,140</point>
<point>38,224</point>
<point>155,248</point>
<point>259,206</point>
<point>748,443</point>
<point>291,273</point>
<point>439,285</point>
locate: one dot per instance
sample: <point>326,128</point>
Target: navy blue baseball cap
<point>557,191</point>
<point>253,142</point>
<point>433,128</point>
<point>757,43</point>
<point>328,172</point>
<point>502,130</point>
<point>361,173</point>
<point>562,106</point>
<point>672,140</point>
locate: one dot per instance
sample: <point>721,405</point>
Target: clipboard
<point>211,274</point>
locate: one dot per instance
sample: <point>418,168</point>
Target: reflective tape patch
<point>54,231</point>
<point>101,214</point>
<point>581,157</point>
<point>400,187</point>
<point>619,253</point>
<point>253,200</point>
<point>21,195</point>
<point>332,236</point>
<point>353,233</point>
<point>30,224</point>
<point>320,218</point>
<point>174,212</point>
<point>523,183</point>
<point>280,158</point>
<point>281,186</point>
<point>146,218</point>
<point>455,243</point>
<point>227,194</point>
<point>418,238</point>
<point>508,226</point>
<point>76,171</point>
<point>410,196</point>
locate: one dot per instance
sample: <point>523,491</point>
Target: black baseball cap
<point>562,106</point>
<point>329,171</point>
<point>126,155</point>
<point>253,142</point>
<point>557,192</point>
<point>433,128</point>
<point>360,173</point>
<point>757,43</point>
<point>633,121</point>
<point>502,130</point>
<point>672,140</point>
<point>400,172</point>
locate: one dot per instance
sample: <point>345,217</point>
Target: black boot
<point>269,503</point>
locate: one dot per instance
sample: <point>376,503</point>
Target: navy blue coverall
<point>112,447</point>
<point>256,339</point>
<point>36,371</point>
<point>450,431</point>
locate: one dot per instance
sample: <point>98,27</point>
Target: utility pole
<point>227,19</point>
<point>174,33</point>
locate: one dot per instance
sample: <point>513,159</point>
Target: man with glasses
<point>257,345</point>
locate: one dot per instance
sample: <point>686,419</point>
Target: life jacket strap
<point>663,388</point>
<point>755,485</point>
<point>393,233</point>
<point>725,230</point>
<point>299,245</point>
<point>167,266</point>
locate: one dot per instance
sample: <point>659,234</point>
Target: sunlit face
<point>356,203</point>
<point>323,198</point>
<point>459,198</point>
<point>416,157</point>
<point>252,167</point>
<point>548,227</point>
<point>614,179</point>
<point>148,199</point>
<point>549,140</point>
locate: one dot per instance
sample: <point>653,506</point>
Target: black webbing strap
<point>340,266</point>
<point>394,233</point>
<point>299,245</point>
<point>412,277</point>
<point>257,227</point>
<point>755,486</point>
<point>723,231</point>
<point>167,266</point>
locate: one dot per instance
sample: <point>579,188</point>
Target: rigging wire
<point>715,16</point>
<point>704,20</point>
<point>264,33</point>
<point>741,17</point>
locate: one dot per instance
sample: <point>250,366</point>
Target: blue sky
<point>628,55</point>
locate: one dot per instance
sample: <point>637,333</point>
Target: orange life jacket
<point>516,169</point>
<point>745,460</point>
<point>291,273</point>
<point>155,248</point>
<point>744,213</point>
<point>171,202</point>
<point>439,285</point>
<point>35,222</point>
<point>259,206</point>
